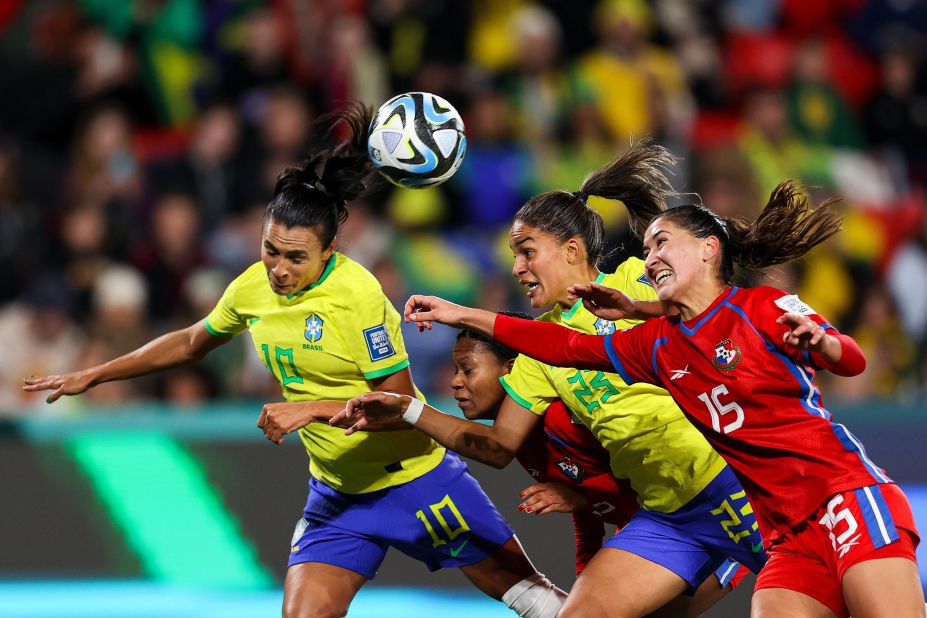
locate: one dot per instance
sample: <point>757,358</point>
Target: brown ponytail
<point>637,177</point>
<point>787,228</point>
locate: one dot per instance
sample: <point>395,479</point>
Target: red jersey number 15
<point>717,409</point>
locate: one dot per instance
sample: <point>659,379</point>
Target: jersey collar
<point>579,303</point>
<point>329,267</point>
<point>690,326</point>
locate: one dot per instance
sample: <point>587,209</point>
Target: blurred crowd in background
<point>140,141</point>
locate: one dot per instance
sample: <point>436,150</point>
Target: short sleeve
<point>529,385</point>
<point>224,320</point>
<point>373,337</point>
<point>632,352</point>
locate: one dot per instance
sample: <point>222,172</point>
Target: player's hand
<point>604,302</point>
<point>542,498</point>
<point>279,419</point>
<point>73,383</point>
<point>423,310</point>
<point>803,334</point>
<point>370,410</point>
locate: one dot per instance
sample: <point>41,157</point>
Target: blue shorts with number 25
<point>699,539</point>
<point>442,518</point>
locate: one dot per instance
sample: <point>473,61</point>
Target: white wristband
<point>413,411</point>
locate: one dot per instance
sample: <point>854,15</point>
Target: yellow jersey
<point>326,342</point>
<point>667,461</point>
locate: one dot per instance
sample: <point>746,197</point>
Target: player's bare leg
<point>502,570</point>
<point>509,576</point>
<point>619,584</point>
<point>784,603</point>
<point>317,590</point>
<point>884,587</point>
<point>709,593</point>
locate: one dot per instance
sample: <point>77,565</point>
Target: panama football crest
<point>571,469</point>
<point>727,355</point>
<point>604,327</point>
<point>314,326</point>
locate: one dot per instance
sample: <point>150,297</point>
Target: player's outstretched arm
<point>175,348</point>
<point>552,344</point>
<point>278,419</point>
<point>549,343</point>
<point>494,445</point>
<point>611,304</point>
<point>423,310</point>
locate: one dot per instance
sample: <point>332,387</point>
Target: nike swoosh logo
<point>459,548</point>
<point>756,547</point>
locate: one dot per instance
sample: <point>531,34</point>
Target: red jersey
<point>754,399</point>
<point>565,451</point>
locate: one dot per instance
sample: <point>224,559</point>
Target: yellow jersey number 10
<point>286,375</point>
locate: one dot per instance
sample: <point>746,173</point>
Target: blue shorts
<point>695,541</point>
<point>443,518</point>
<point>728,570</point>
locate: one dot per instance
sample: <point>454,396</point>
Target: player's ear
<point>327,253</point>
<point>508,365</point>
<point>574,250</point>
<point>711,248</point>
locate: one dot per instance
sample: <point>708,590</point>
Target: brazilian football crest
<point>571,469</point>
<point>314,326</point>
<point>727,355</point>
<point>604,327</point>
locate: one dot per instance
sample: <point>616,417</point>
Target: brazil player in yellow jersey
<point>323,327</point>
<point>693,512</point>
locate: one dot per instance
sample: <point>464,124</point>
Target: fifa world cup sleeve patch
<point>378,344</point>
<point>793,304</point>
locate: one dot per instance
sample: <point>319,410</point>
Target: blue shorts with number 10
<point>695,541</point>
<point>443,518</point>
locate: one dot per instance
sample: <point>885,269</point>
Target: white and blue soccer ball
<point>417,140</point>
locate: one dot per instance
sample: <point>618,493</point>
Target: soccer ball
<point>417,140</point>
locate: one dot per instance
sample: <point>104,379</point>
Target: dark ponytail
<point>637,178</point>
<point>315,194</point>
<point>788,228</point>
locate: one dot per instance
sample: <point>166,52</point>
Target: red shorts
<point>852,527</point>
<point>738,577</point>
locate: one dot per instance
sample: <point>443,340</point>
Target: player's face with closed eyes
<point>293,257</point>
<point>477,370</point>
